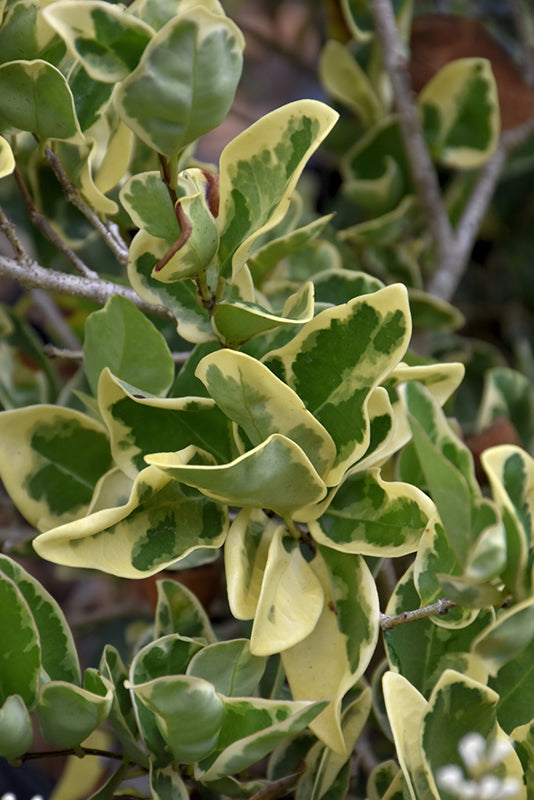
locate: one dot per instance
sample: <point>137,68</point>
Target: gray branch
<point>33,276</point>
<point>453,247</point>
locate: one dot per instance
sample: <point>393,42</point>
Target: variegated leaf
<point>267,256</point>
<point>235,322</point>
<point>146,199</point>
<point>139,424</point>
<point>291,597</point>
<point>7,159</point>
<point>251,728</point>
<point>178,610</point>
<point>37,98</point>
<point>275,475</point>
<point>324,767</point>
<point>185,82</point>
<point>230,666</point>
<point>21,651</point>
<point>406,708</point>
<point>373,517</point>
<point>423,651</point>
<point>160,524</point>
<point>107,39</point>
<point>59,658</point>
<point>258,171</point>
<point>510,472</point>
<point>507,637</point>
<point>333,658</point>
<point>163,657</point>
<point>166,783</point>
<point>352,348</point>
<point>188,713</point>
<point>464,706</point>
<point>245,557</point>
<point>347,82</point>
<point>180,298</point>
<point>261,404</point>
<point>67,714</point>
<point>460,111</point>
<point>50,461</point>
<point>16,731</point>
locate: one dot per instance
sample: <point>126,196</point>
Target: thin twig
<point>11,235</point>
<point>75,354</point>
<point>277,788</point>
<point>54,319</point>
<point>41,223</point>
<point>71,751</point>
<point>445,280</point>
<point>441,606</point>
<point>108,232</point>
<point>524,23</point>
<point>421,167</point>
<point>32,275</point>
<point>453,248</point>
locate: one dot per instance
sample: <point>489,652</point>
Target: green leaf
<point>229,666</point>
<point>236,322</point>
<point>433,313</point>
<point>261,404</point>
<point>276,475</point>
<point>58,652</point>
<point>91,97</point>
<point>447,466</point>
<point>121,714</point>
<point>252,728</point>
<point>460,111</point>
<point>120,337</point>
<point>21,651</point>
<point>179,611</point>
<point>16,731</point>
<point>514,683</point>
<point>333,658</point>
<point>107,39</point>
<point>352,347</point>
<point>50,461</point>
<point>146,199</point>
<point>188,712</point>
<point>373,517</point>
<point>185,82</point>
<point>376,170</point>
<point>159,524</point>
<point>67,714</point>
<point>37,98</point>
<point>436,559</point>
<point>168,655</point>
<point>341,285</point>
<point>259,170</point>
<point>268,255</point>
<point>140,424</point>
